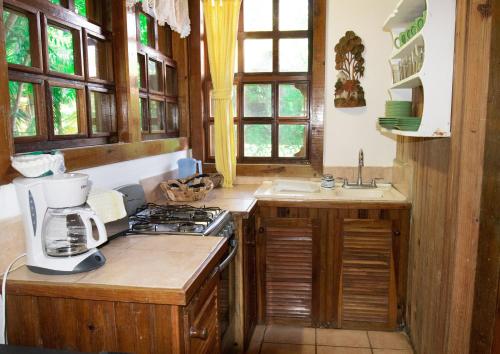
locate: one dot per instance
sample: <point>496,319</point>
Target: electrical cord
<point>3,296</point>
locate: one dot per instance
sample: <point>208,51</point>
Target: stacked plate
<point>408,123</point>
<point>397,108</point>
<point>388,122</point>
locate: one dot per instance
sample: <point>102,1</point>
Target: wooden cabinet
<point>249,279</point>
<point>201,323</point>
<point>338,265</point>
<point>287,265</point>
<point>368,286</point>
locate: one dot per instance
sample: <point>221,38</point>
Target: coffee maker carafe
<point>59,225</point>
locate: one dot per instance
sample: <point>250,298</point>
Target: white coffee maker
<point>59,224</point>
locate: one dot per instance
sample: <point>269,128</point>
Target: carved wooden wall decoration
<point>350,63</point>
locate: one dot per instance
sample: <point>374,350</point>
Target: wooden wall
<point>445,177</point>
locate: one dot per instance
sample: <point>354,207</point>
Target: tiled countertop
<point>167,265</point>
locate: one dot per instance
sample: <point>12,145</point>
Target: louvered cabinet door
<point>288,266</point>
<point>368,283</point>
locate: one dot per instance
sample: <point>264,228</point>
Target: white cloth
<point>175,13</point>
<point>107,204</point>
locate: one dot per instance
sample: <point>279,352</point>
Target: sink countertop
<point>154,269</point>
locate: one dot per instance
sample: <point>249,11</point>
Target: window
<point>61,96</point>
<point>157,78</point>
<point>272,83</point>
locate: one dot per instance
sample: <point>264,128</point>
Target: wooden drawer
<point>201,323</point>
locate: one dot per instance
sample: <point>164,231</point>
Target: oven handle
<point>224,264</point>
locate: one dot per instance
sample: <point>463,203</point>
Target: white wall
<point>107,176</point>
<point>349,129</point>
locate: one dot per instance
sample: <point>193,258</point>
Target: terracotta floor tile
<point>389,340</point>
<point>256,341</point>
<point>290,335</point>
<point>342,338</point>
<point>272,348</point>
<point>392,351</point>
<point>342,350</point>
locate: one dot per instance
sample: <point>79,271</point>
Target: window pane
<point>22,108</point>
<point>258,55</point>
<point>57,2</point>
<point>102,111</point>
<point>17,38</point>
<point>143,108</point>
<point>292,140</point>
<point>61,50</point>
<point>144,29</point>
<point>258,140</point>
<point>155,76</point>
<point>294,55</point>
<point>234,101</point>
<point>293,100</point>
<point>157,116</point>
<point>258,100</point>
<point>99,59</point>
<point>81,7</point>
<point>171,84</point>
<point>64,108</point>
<point>212,140</point>
<point>141,61</point>
<point>172,117</point>
<point>294,15</point>
<point>258,15</point>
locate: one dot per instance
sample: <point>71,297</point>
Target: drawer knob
<point>198,333</point>
<point>261,230</point>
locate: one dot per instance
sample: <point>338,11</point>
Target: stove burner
<point>142,226</point>
<point>190,227</point>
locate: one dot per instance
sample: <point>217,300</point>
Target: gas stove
<point>181,219</point>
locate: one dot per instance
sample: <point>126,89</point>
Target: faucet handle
<point>374,181</point>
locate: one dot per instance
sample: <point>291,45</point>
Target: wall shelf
<point>436,75</point>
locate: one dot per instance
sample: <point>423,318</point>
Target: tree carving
<point>350,63</point>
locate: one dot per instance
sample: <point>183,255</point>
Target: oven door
<point>227,298</point>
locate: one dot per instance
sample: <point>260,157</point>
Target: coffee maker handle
<point>103,237</point>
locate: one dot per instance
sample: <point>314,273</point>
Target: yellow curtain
<point>221,22</point>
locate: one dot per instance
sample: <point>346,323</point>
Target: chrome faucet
<point>359,183</point>
<point>361,163</point>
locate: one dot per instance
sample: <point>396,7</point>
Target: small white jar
<point>328,181</point>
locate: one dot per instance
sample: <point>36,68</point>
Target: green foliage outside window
<point>292,138</point>
<point>258,141</point>
<point>258,100</point>
<point>61,50</point>
<point>143,29</point>
<point>17,30</point>
<point>22,108</point>
<point>293,100</point>
<point>64,107</point>
<point>57,2</point>
<point>81,7</point>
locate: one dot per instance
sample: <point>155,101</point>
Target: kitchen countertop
<point>238,200</point>
<point>153,269</point>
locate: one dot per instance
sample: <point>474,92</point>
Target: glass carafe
<point>68,232</point>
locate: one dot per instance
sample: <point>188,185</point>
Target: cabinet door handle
<point>198,333</point>
<point>261,230</point>
<point>397,233</point>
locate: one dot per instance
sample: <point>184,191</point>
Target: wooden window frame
<point>153,53</point>
<point>107,91</point>
<point>200,122</point>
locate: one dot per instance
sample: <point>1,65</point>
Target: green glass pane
<point>143,29</point>
<point>292,140</point>
<point>17,38</point>
<point>81,7</point>
<point>64,108</point>
<point>293,100</point>
<point>258,100</point>
<point>258,140</point>
<point>22,108</point>
<point>157,116</point>
<point>57,2</point>
<point>61,50</point>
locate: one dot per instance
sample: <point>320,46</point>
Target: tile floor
<point>274,339</point>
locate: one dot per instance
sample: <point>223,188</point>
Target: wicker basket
<point>179,191</point>
<point>217,179</point>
